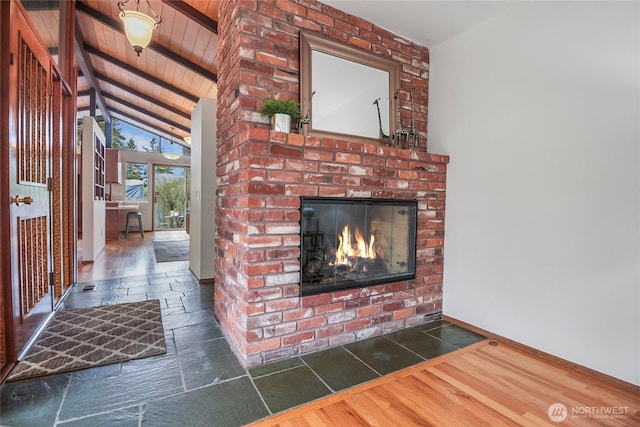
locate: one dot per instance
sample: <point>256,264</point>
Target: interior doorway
<point>171,201</point>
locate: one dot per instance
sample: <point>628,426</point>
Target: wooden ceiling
<point>156,90</point>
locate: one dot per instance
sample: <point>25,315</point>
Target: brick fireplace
<point>262,176</point>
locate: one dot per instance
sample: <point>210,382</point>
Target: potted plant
<point>282,113</point>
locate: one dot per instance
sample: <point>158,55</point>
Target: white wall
<point>539,108</point>
<point>202,233</point>
<point>93,210</point>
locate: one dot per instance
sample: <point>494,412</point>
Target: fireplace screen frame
<point>310,287</point>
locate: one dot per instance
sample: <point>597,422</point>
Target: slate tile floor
<point>199,381</point>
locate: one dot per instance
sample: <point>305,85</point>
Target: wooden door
<point>29,162</point>
<point>62,159</point>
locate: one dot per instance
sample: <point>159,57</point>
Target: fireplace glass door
<point>349,243</point>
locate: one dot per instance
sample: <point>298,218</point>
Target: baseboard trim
<point>547,357</point>
<point>4,372</point>
<point>203,281</point>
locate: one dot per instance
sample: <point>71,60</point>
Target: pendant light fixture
<point>138,26</point>
<point>171,156</point>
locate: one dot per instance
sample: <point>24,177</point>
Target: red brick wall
<point>262,175</point>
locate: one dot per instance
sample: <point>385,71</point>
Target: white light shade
<point>138,27</point>
<point>171,156</point>
<point>187,139</point>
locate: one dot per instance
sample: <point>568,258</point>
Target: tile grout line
<point>280,371</point>
<point>184,383</point>
<point>255,387</point>
<point>57,422</point>
<point>440,339</point>
<point>316,374</point>
<point>64,396</point>
<point>408,349</point>
<point>362,361</point>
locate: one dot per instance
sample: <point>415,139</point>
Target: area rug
<point>176,250</point>
<point>88,337</point>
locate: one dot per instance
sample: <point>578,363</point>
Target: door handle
<point>18,200</point>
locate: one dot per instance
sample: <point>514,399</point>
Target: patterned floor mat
<point>88,337</point>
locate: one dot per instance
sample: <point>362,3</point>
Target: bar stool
<point>130,216</point>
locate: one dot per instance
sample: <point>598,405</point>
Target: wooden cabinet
<point>112,229</point>
<point>93,189</point>
<point>98,165</point>
<point>113,171</point>
<point>93,163</point>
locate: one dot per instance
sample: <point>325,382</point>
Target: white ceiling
<point>424,21</point>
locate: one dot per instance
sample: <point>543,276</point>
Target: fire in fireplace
<point>352,243</point>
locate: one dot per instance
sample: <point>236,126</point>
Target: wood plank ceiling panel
<point>209,8</point>
<point>83,84</point>
<point>113,71</point>
<point>47,23</point>
<point>200,48</point>
<point>179,41</point>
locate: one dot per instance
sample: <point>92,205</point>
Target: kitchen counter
<point>114,218</point>
<point>123,208</point>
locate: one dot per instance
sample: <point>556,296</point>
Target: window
<point>137,182</point>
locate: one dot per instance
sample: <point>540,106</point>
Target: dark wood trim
<point>145,112</point>
<point>5,369</point>
<point>34,5</point>
<point>70,181</point>
<point>114,25</point>
<point>193,14</point>
<point>87,70</point>
<point>7,347</point>
<point>204,281</point>
<point>546,356</point>
<point>142,96</point>
<point>69,79</point>
<point>129,69</point>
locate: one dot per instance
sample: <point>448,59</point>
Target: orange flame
<point>359,248</point>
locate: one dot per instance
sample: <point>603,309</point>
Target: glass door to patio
<point>171,197</point>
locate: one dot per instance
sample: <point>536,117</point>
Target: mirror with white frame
<point>348,92</point>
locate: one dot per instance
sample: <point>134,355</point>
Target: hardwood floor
<point>481,385</point>
<point>129,257</point>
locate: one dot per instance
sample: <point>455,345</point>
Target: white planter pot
<point>281,122</point>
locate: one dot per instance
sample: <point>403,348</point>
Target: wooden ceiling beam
<point>128,68</point>
<point>143,96</point>
<point>193,14</point>
<point>87,70</point>
<point>33,5</point>
<point>145,111</point>
<point>115,25</point>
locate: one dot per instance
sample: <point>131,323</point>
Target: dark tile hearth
<point>199,381</point>
<point>352,371</point>
<point>289,388</point>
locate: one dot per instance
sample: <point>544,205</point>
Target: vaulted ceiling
<point>156,90</point>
